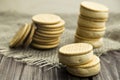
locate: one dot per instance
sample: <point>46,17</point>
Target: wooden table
<point>12,70</point>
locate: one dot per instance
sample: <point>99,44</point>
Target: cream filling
<point>93,14</point>
<point>90,34</point>
<point>85,72</point>
<point>94,43</point>
<point>76,59</point>
<point>90,24</point>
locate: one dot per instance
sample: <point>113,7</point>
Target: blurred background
<point>51,6</point>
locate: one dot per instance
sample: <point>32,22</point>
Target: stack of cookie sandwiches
<point>79,59</point>
<point>43,33</point>
<point>23,37</point>
<point>49,28</point>
<point>91,23</point>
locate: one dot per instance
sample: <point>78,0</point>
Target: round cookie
<point>90,24</point>
<point>93,10</point>
<point>94,6</point>
<point>25,35</point>
<point>95,43</point>
<point>93,19</point>
<point>50,29</point>
<point>75,60</point>
<point>30,36</point>
<point>54,26</point>
<point>47,35</point>
<point>92,29</point>
<point>75,54</point>
<point>96,15</point>
<point>51,32</point>
<point>44,38</point>
<point>46,42</point>
<point>41,46</point>
<point>90,69</point>
<point>92,34</point>
<point>83,38</point>
<point>75,49</point>
<point>20,36</point>
<point>46,19</point>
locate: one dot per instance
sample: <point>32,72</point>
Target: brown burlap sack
<point>11,21</point>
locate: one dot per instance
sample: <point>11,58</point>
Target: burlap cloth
<point>11,21</point>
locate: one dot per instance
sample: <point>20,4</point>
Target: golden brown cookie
<point>93,6</point>
<point>90,24</point>
<point>83,38</point>
<point>20,36</point>
<point>44,40</point>
<point>42,46</point>
<point>90,69</point>
<point>93,19</point>
<point>93,10</point>
<point>75,49</point>
<point>90,33</point>
<point>43,37</point>
<point>96,43</point>
<point>75,60</point>
<point>29,37</point>
<point>47,35</point>
<point>46,19</point>
<point>52,26</point>
<point>50,29</point>
<point>51,32</point>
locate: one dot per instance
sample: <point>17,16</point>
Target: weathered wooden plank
<point>56,73</point>
<point>37,73</point>
<point>4,67</point>
<point>27,73</point>
<point>11,70</point>
<point>1,56</point>
<point>110,67</point>
<point>117,58</point>
<point>18,71</point>
<point>64,75</point>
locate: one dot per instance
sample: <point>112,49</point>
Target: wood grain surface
<point>12,70</point>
